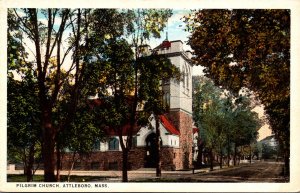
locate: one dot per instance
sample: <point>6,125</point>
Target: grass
<point>165,180</point>
<point>22,178</point>
<point>40,178</point>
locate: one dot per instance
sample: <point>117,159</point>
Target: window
<point>166,99</point>
<point>113,144</point>
<point>186,78</point>
<point>96,146</point>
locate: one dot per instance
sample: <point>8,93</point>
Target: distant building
<point>270,141</point>
<point>176,126</point>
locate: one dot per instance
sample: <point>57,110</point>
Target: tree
<point>268,152</point>
<point>80,138</point>
<point>23,124</point>
<point>207,114</point>
<point>236,50</point>
<point>223,119</point>
<point>55,78</point>
<point>23,132</point>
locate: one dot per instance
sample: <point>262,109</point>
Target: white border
<point>294,5</point>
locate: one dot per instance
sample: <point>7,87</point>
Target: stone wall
<point>184,123</point>
<point>112,160</point>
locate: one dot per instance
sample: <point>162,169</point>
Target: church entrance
<point>151,151</point>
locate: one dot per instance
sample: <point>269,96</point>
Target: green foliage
<point>246,122</point>
<point>222,118</point>
<point>268,152</point>
<point>84,130</point>
<point>206,109</point>
<point>23,113</point>
<point>236,50</point>
<point>148,23</point>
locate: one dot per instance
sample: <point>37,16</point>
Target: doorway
<point>151,151</point>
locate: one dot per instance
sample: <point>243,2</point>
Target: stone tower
<point>178,95</point>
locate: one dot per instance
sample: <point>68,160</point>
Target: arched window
<point>96,146</point>
<point>186,78</point>
<point>184,75</point>
<point>166,99</point>
<point>113,144</point>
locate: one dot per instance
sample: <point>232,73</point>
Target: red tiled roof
<point>168,125</point>
<point>164,44</point>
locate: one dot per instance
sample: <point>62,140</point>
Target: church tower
<point>178,95</point>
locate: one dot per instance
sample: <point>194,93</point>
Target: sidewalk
<point>142,171</point>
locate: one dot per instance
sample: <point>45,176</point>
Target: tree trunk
<point>48,130</point>
<point>157,141</point>
<point>48,147</point>
<point>199,156</point>
<point>221,159</point>
<point>125,165</point>
<point>58,162</point>
<point>250,154</point>
<point>286,164</point>
<point>211,160</point>
<point>72,165</point>
<point>29,168</point>
<point>228,153</point>
<point>234,156</point>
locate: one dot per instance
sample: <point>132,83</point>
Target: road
<point>255,172</point>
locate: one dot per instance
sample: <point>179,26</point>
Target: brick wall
<point>184,123</point>
<point>171,158</point>
<point>112,160</point>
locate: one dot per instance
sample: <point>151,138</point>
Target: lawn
<point>40,178</point>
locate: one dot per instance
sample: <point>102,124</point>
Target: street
<point>255,172</point>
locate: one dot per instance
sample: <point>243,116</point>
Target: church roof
<point>168,125</point>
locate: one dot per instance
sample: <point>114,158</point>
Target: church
<point>176,126</point>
